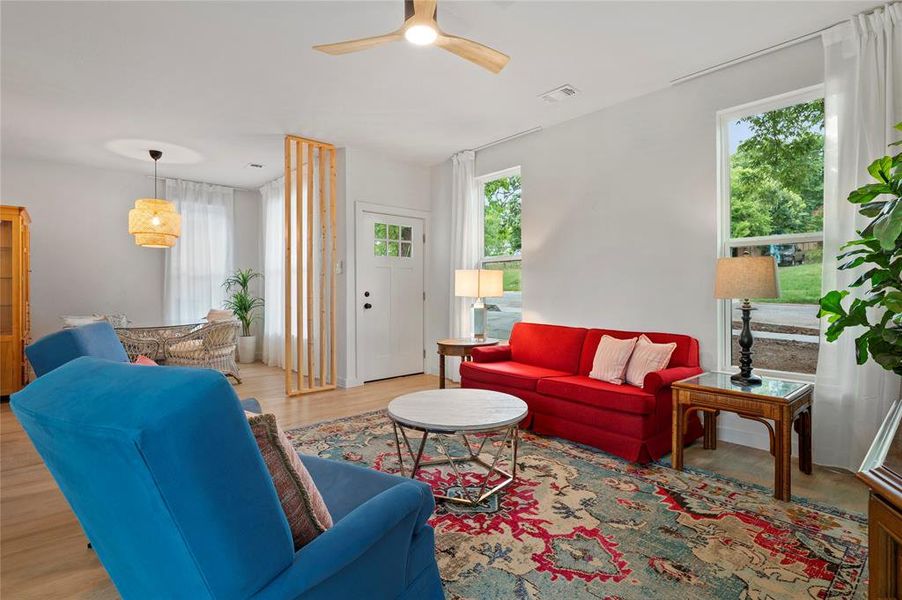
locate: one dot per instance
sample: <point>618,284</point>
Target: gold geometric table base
<point>510,433</point>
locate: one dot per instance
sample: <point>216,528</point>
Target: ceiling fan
<point>421,28</point>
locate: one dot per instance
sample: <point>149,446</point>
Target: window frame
<point>480,186</point>
<point>725,243</point>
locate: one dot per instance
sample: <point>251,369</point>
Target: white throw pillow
<point>217,314</point>
<point>611,359</point>
<point>647,357</point>
<point>70,321</point>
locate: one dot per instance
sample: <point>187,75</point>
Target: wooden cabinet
<point>15,309</point>
<point>882,472</point>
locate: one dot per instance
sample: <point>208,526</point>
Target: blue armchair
<point>96,339</point>
<point>56,349</point>
<point>164,474</point>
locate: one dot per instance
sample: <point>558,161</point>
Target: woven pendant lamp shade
<point>154,223</point>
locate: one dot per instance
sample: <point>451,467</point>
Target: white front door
<point>389,295</point>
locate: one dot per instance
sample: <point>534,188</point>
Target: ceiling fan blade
<point>474,52</point>
<point>424,9</point>
<point>361,44</point>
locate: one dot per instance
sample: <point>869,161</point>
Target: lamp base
<point>744,377</point>
<point>479,319</point>
<point>745,381</point>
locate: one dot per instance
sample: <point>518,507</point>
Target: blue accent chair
<point>56,349</point>
<point>164,475</point>
<point>96,339</point>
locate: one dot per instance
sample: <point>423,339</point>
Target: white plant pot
<point>247,349</point>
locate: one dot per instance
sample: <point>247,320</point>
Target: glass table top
<point>775,388</point>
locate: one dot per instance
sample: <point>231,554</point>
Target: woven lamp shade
<point>744,277</point>
<point>154,223</point>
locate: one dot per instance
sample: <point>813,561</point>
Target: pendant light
<point>154,222</point>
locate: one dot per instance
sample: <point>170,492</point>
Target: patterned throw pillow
<point>647,357</point>
<point>144,361</point>
<point>611,358</point>
<point>304,507</point>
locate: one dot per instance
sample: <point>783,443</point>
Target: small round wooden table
<point>459,413</point>
<point>458,347</point>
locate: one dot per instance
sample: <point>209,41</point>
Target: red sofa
<point>548,367</point>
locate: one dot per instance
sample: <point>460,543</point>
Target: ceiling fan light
<point>421,35</point>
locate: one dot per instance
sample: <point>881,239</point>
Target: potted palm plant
<point>245,306</point>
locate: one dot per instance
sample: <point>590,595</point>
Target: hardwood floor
<point>43,551</point>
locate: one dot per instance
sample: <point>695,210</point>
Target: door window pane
<point>405,249</point>
<point>381,231</point>
<point>393,232</point>
<point>379,249</point>
<point>406,233</point>
<point>393,248</point>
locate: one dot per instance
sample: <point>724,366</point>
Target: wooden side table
<point>458,347</point>
<point>786,403</point>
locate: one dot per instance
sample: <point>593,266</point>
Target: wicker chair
<point>149,341</point>
<point>211,345</point>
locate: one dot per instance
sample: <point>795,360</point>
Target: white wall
<point>370,177</point>
<point>619,207</point>
<point>83,259</point>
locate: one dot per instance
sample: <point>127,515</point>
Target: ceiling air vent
<point>558,94</point>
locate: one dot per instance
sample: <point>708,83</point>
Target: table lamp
<point>741,278</point>
<point>479,284</point>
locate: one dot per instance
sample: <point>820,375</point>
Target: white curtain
<point>863,100</point>
<point>273,235</point>
<point>466,244</point>
<point>202,257</point>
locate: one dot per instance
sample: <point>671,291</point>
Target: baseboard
<point>761,440</point>
<point>344,382</point>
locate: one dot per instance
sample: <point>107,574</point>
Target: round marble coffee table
<point>459,413</point>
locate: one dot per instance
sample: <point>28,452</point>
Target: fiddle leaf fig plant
<point>879,250</point>
<point>241,301</point>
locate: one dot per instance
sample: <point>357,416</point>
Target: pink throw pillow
<point>304,507</point>
<point>647,357</point>
<point>611,359</point>
<point>145,361</point>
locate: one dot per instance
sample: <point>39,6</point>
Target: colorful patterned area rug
<point>579,523</point>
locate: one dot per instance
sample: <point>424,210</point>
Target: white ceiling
<point>228,79</point>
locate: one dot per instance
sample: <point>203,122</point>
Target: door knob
<point>367,305</point>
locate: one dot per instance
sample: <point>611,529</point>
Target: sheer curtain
<point>466,244</point>
<point>273,194</point>
<point>202,257</point>
<point>863,100</point>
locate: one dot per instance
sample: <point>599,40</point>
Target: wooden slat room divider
<point>310,251</point>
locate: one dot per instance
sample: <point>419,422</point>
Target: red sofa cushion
<point>549,346</point>
<point>684,355</point>
<point>507,372</point>
<point>610,396</point>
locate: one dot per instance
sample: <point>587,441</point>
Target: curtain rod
<point>765,51</point>
<point>508,138</point>
<point>234,187</point>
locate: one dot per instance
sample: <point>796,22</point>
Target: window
<point>771,200</point>
<point>392,240</point>
<point>501,247</point>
